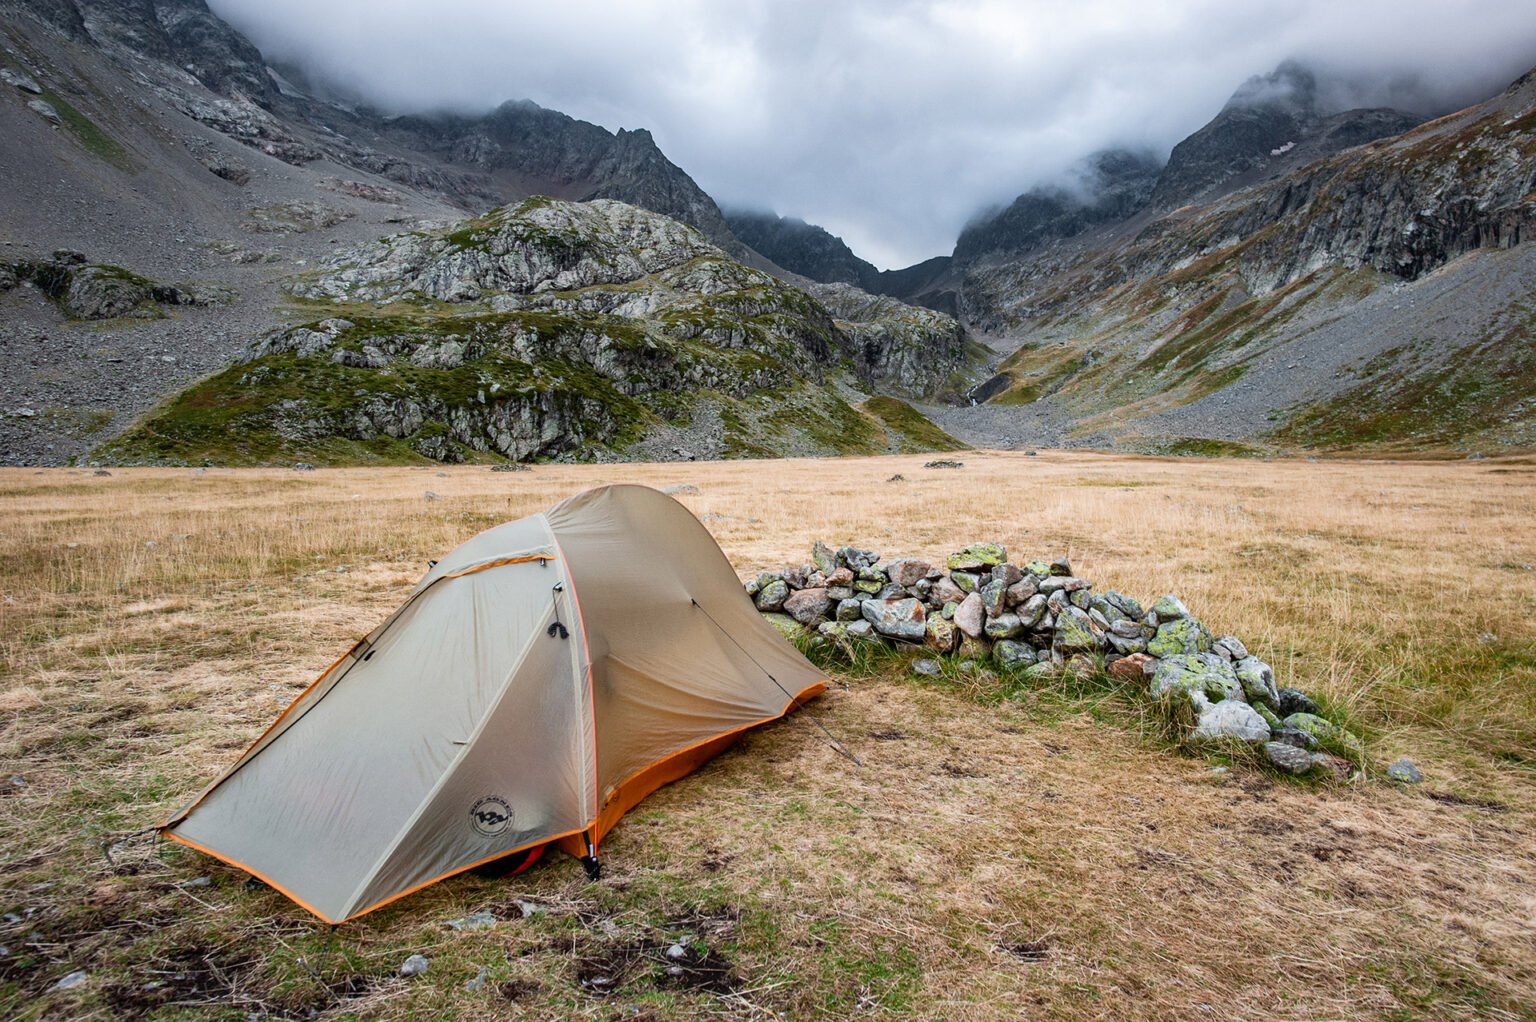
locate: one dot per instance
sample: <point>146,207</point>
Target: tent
<point>539,681</point>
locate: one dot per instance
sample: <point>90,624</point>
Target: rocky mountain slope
<point>806,249</point>
<point>148,145</point>
<point>1378,297</point>
<point>818,255</point>
<point>558,329</point>
<point>1109,186</point>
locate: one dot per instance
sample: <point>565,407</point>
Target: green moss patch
<point>91,137</point>
<point>914,430</point>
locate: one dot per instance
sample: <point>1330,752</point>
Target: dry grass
<point>1036,857</point>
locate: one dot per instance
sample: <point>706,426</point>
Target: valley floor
<point>1046,856</point>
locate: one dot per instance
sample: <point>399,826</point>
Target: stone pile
<point>1040,620</point>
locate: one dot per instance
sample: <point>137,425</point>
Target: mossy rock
<point>1182,635</point>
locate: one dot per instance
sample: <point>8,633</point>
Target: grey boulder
<point>899,619</point>
<point>1230,718</point>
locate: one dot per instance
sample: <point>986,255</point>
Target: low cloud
<point>889,122</point>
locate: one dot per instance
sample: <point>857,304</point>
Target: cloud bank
<point>889,122</point>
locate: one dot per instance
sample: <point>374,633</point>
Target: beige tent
<point>540,680</point>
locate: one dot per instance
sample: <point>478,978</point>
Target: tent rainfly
<point>539,681</point>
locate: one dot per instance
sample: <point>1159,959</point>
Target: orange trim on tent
<point>264,879</point>
<point>362,912</point>
<point>629,792</point>
<point>454,872</point>
<point>495,564</point>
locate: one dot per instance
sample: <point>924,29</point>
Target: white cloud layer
<point>889,122</point>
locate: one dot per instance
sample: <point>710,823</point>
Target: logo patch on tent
<point>491,816</point>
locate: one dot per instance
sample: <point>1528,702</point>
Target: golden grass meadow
<point>1041,856</point>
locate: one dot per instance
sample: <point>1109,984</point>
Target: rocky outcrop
<point>549,329</point>
<point>911,351</point>
<point>87,291</point>
<point>183,34</point>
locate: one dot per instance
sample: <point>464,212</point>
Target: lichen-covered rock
<point>967,581</point>
<point>971,616</point>
<point>771,596</point>
<point>1004,626</point>
<point>898,619</point>
<point>1182,634</point>
<point>1169,608</point>
<point>1032,611</point>
<point>848,609</point>
<point>1196,678</point>
<point>1063,583</point>
<point>1229,718</point>
<point>1074,633</point>
<point>1404,772</point>
<point>945,591</point>
<point>927,668</point>
<point>1295,736</point>
<point>825,559</point>
<point>1340,768</point>
<point>978,557</point>
<point>807,606</point>
<point>972,647</point>
<point>940,634</point>
<point>105,292</point>
<point>1124,646</point>
<point>1258,679</point>
<point>785,625</point>
<point>1012,655</point>
<point>1126,605</point>
<point>1268,715</point>
<point>992,597</point>
<point>1043,671</point>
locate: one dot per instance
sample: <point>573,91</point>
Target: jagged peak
<point>1291,85</point>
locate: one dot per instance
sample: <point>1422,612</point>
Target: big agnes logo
<point>491,816</point>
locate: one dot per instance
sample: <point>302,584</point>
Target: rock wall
<point>1041,621</point>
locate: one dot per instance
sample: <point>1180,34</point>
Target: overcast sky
<point>889,122</point>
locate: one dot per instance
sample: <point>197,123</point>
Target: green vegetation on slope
<point>1480,393</point>
<point>91,137</point>
<point>913,430</point>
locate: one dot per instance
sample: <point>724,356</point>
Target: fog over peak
<point>890,122</point>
